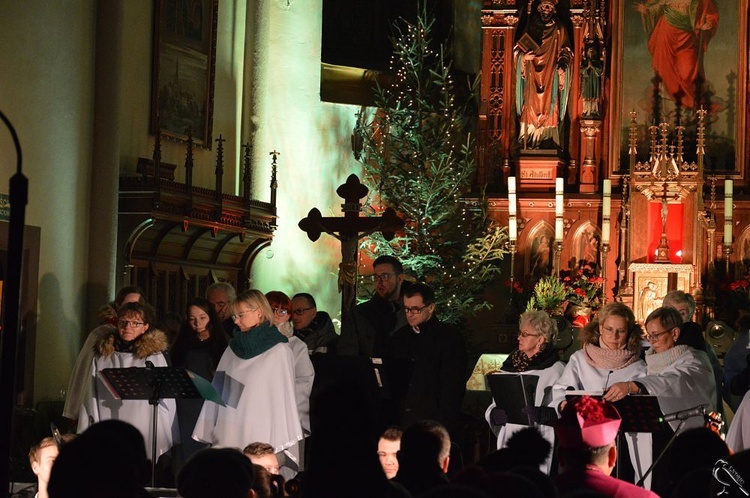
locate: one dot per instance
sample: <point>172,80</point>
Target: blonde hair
<point>590,333</point>
<point>255,299</point>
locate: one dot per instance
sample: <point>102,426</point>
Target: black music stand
<point>154,384</point>
<point>639,413</point>
<point>512,392</point>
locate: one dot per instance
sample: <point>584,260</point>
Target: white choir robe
<point>101,405</point>
<point>738,435</point>
<point>579,374</point>
<point>304,375</point>
<point>547,378</point>
<point>260,398</point>
<point>686,383</point>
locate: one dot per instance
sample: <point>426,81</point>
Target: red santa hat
<point>587,423</point>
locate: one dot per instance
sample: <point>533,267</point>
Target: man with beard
<point>367,327</point>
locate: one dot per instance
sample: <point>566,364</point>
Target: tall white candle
<point>512,201</point>
<point>607,199</point>
<point>513,229</point>
<point>511,184</point>
<point>728,200</point>
<point>728,187</point>
<point>559,188</point>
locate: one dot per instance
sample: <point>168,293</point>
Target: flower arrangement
<point>735,294</point>
<point>550,295</point>
<point>585,291</point>
<point>742,287</point>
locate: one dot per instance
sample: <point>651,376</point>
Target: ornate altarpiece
<point>613,143</point>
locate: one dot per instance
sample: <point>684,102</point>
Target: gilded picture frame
<point>183,69</point>
<point>719,82</point>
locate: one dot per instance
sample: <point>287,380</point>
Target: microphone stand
<point>663,452</point>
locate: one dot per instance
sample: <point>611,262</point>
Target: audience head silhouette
<point>214,472</point>
<point>108,459</point>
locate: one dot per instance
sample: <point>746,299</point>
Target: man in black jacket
<point>366,328</point>
<point>426,363</point>
<point>314,327</point>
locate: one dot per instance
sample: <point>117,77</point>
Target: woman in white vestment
<point>255,378</point>
<point>534,356</point>
<point>611,353</point>
<point>132,344</point>
<point>79,387</point>
<point>678,375</point>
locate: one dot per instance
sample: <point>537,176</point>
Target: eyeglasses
<point>132,323</point>
<point>655,337</point>
<point>526,334</point>
<point>382,277</point>
<point>280,311</point>
<point>611,331</point>
<point>415,310</point>
<point>239,315</point>
<point>301,311</point>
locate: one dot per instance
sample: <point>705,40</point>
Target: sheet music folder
<point>512,392</point>
<point>639,412</point>
<point>140,383</point>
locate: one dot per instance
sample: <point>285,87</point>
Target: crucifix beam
<point>349,229</point>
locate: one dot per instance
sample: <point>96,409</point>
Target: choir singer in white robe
<point>255,378</point>
<point>534,356</point>
<point>611,353</point>
<point>678,375</point>
<point>132,344</point>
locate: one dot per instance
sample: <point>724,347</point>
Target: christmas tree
<point>418,158</point>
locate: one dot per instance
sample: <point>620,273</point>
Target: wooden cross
<point>349,229</point>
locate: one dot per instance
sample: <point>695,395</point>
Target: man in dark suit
<point>426,363</point>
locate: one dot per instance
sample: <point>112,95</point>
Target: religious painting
<point>743,246</point>
<point>688,58</point>
<point>585,255</point>
<point>539,261</point>
<point>182,86</point>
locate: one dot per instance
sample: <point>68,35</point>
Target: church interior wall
<point>46,90</point>
<point>50,98</point>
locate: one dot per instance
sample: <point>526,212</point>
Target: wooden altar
<point>673,220</point>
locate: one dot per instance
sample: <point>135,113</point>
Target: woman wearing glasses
<point>304,374</point>
<point>678,375</point>
<point>535,356</point>
<point>199,346</point>
<point>133,344</point>
<point>255,378</point>
<point>610,354</point>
